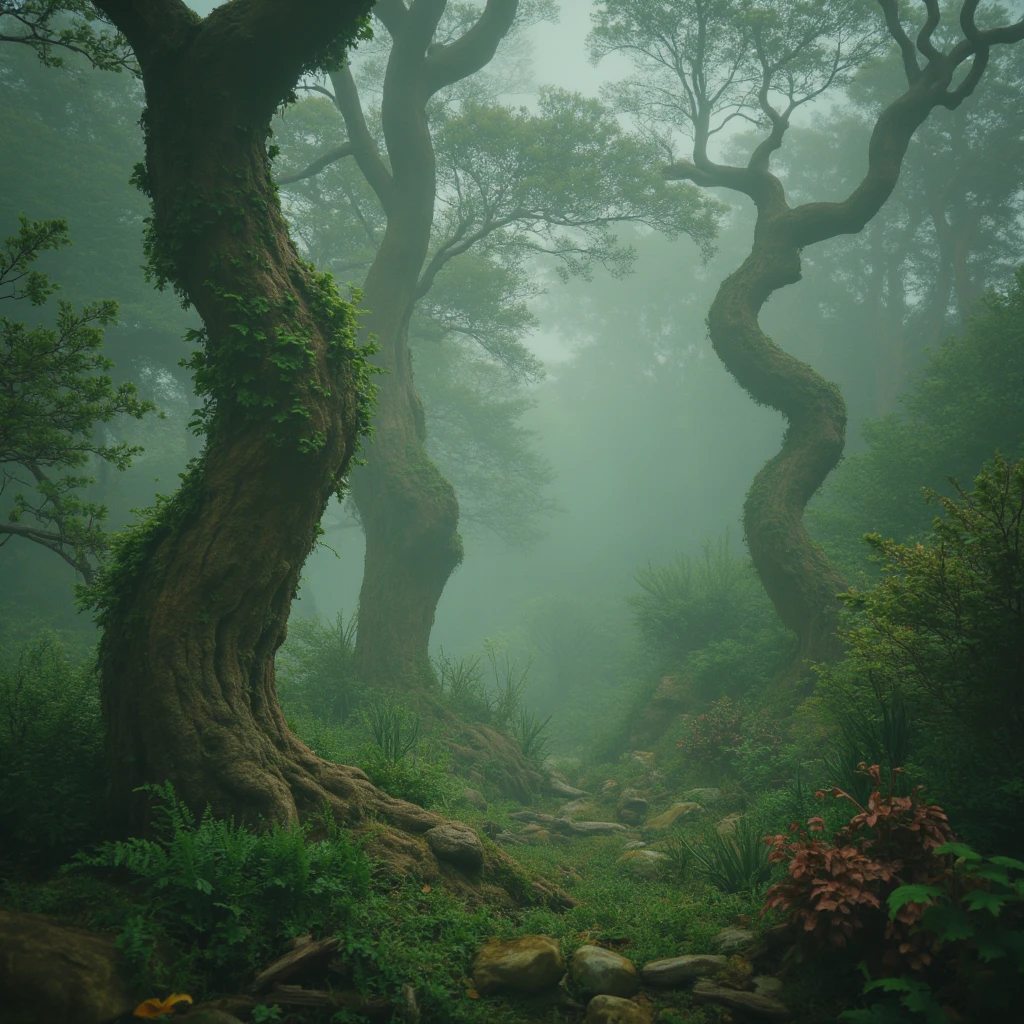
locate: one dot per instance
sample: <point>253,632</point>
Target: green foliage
<point>733,863</point>
<point>315,669</point>
<point>528,728</point>
<point>51,752</point>
<point>225,897</point>
<point>421,779</point>
<point>52,28</point>
<point>945,627</point>
<point>703,616</point>
<point>395,729</point>
<point>55,393</point>
<point>971,922</point>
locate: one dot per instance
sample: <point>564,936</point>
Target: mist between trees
<point>383,420</point>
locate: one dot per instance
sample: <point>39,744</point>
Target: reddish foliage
<point>836,888</point>
<point>714,734</point>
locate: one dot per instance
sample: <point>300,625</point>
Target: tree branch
<point>473,50</point>
<point>365,150</point>
<point>332,156</point>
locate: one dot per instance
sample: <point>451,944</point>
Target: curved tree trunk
<point>795,572</point>
<point>196,600</point>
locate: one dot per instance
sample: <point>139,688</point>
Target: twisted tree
<point>194,600</point>
<point>454,173</point>
<point>704,63</point>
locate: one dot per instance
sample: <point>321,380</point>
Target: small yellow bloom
<point>153,1008</point>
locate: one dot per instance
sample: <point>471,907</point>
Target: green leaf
<point>911,894</point>
<point>1007,862</point>
<point>958,850</point>
<point>980,899</point>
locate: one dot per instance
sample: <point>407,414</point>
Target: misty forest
<point>511,511</point>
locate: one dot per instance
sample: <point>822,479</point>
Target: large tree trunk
<point>795,572</point>
<point>196,601</point>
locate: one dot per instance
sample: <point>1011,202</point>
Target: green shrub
<point>51,753</point>
<point>226,898</point>
<point>422,780</point>
<point>736,863</point>
<point>316,669</point>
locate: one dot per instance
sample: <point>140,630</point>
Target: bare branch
<point>891,11</point>
<point>924,37</point>
<point>332,156</point>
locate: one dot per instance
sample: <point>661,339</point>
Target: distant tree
<point>451,173</point>
<point>54,394</point>
<point>702,65</point>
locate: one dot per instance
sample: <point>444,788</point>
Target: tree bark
<point>409,511</point>
<point>196,600</point>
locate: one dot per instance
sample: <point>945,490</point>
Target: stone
<point>632,807</point>
<point>733,940</point>
<point>51,972</point>
<point>507,838</point>
<point>571,808</point>
<point>209,1015</point>
<point>609,786</point>
<point>635,844</point>
<point>595,828</point>
<point>729,824</point>
<point>646,863</point>
<point>474,798</point>
<point>529,964</point>
<point>750,1004</point>
<point>766,985</point>
<point>600,972</point>
<point>456,843</point>
<point>615,1010</point>
<point>668,818</point>
<point>703,796</point>
<point>681,971</point>
<point>560,787</point>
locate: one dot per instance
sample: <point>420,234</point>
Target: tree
<point>704,64</point>
<point>54,390</point>
<point>194,600</point>
<point>512,184</point>
<point>52,28</point>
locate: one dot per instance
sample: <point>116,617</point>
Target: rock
<point>209,1015</point>
<point>53,973</point>
<point>595,828</point>
<point>680,971</point>
<point>645,863</point>
<point>733,940</point>
<point>766,985</point>
<point>615,1010</point>
<point>528,964</point>
<point>560,787</point>
<point>703,796</point>
<point>635,844</point>
<point>632,807</point>
<point>751,1004</point>
<point>507,838</point>
<point>456,843</point>
<point>474,798</point>
<point>600,972</point>
<point>571,808</point>
<point>729,824</point>
<point>509,771</point>
<point>609,786</point>
<point>668,818</point>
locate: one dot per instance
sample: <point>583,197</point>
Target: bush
<point>316,674</point>
<point>836,889</point>
<point>225,897</point>
<point>944,628</point>
<point>51,752</point>
<point>736,863</point>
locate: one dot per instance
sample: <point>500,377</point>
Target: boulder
<point>681,971</point>
<point>645,863</point>
<point>476,745</point>
<point>571,808</point>
<point>594,828</point>
<point>615,1010</point>
<point>529,964</point>
<point>50,972</point>
<point>560,787</point>
<point>474,798</point>
<point>729,824</point>
<point>456,843</point>
<point>766,985</point>
<point>667,819</point>
<point>635,844</point>
<point>707,795</point>
<point>632,807</point>
<point>600,972</point>
<point>733,940</point>
<point>750,1004</point>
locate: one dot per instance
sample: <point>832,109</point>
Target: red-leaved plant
<point>835,889</point>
